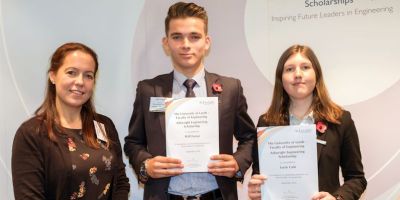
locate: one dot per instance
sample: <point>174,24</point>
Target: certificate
<point>288,157</point>
<point>192,131</point>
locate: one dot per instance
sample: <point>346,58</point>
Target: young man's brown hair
<point>183,10</point>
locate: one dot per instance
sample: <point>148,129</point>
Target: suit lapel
<point>321,136</point>
<point>163,88</point>
<point>210,79</point>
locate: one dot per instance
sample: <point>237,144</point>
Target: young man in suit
<point>187,43</point>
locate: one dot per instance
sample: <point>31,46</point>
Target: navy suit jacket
<point>146,137</point>
<point>342,149</point>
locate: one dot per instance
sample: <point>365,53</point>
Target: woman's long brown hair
<point>324,109</point>
<point>48,111</point>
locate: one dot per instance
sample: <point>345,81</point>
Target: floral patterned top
<point>67,168</point>
<point>91,168</point>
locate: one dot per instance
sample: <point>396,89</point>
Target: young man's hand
<point>161,166</point>
<point>225,165</point>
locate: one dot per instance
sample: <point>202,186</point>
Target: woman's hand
<point>254,187</point>
<point>323,196</point>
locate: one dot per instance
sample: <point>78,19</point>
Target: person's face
<point>186,43</point>
<point>298,77</point>
<point>74,80</point>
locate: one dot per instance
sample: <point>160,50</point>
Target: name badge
<point>100,131</point>
<point>158,104</point>
<point>323,142</point>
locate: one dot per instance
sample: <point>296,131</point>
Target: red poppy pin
<point>321,127</point>
<point>217,88</point>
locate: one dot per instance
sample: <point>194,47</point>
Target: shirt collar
<point>308,119</point>
<point>181,78</point>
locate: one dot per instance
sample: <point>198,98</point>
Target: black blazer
<point>41,168</point>
<point>146,137</point>
<point>342,149</point>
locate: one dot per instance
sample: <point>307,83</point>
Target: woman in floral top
<point>300,97</point>
<point>67,150</point>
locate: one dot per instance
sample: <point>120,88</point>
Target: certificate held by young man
<point>192,131</point>
<point>288,157</point>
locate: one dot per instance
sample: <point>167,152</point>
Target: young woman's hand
<point>254,187</point>
<point>323,196</point>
